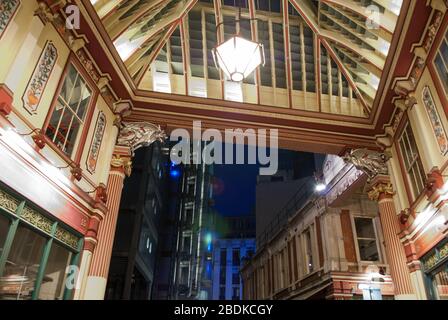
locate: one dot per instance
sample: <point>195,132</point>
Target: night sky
<point>234,185</point>
<point>234,189</point>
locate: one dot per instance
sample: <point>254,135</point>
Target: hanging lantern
<point>238,57</point>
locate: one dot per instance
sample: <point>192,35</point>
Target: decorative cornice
<point>379,189</point>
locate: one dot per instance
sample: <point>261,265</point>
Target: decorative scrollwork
<point>8,202</point>
<point>66,237</point>
<point>36,219</point>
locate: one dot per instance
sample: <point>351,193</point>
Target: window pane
<point>413,145</point>
<point>4,227</point>
<point>368,250</point>
<point>442,71</point>
<point>72,135</point>
<point>54,123</point>
<point>69,82</point>
<point>22,265</point>
<point>80,98</point>
<point>69,112</point>
<point>440,283</point>
<point>444,52</point>
<point>53,284</point>
<point>223,257</point>
<point>235,278</point>
<point>364,228</point>
<point>236,257</point>
<point>309,251</point>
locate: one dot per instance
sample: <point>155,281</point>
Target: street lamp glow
<point>320,187</point>
<point>238,57</point>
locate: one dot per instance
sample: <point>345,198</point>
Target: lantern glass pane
<point>238,56</point>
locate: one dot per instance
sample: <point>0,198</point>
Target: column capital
<point>380,187</point>
<point>122,160</point>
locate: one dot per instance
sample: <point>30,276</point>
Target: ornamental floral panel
<point>7,10</point>
<point>92,157</point>
<point>39,79</point>
<point>436,123</point>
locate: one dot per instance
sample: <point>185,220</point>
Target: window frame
<point>412,197</point>
<point>81,138</point>
<point>309,259</point>
<point>356,238</point>
<point>438,83</point>
<point>16,220</point>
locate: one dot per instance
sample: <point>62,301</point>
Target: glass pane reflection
<point>22,265</point>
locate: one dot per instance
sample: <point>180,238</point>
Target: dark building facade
<point>143,203</point>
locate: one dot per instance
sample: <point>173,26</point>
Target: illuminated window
<point>366,238</point>
<point>412,161</point>
<point>68,115</point>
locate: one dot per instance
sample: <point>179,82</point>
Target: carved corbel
<point>77,44</point>
<point>372,163</point>
<point>439,5</point>
<point>103,81</point>
<point>139,134</point>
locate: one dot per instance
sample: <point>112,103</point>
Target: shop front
<point>435,267</point>
<point>46,224</point>
<point>38,254</point>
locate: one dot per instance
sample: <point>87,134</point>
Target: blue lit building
<point>235,242</point>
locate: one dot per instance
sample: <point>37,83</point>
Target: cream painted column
<point>100,260</point>
<point>383,193</point>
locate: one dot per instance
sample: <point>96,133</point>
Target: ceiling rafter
<point>347,75</point>
<point>254,32</point>
<point>311,19</point>
<point>385,22</point>
<point>175,16</point>
<point>287,48</point>
<point>217,7</point>
<point>359,21</point>
<point>161,43</point>
<point>369,63</point>
<point>106,7</point>
<point>185,51</point>
<point>137,59</point>
<point>114,15</point>
<point>133,22</point>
